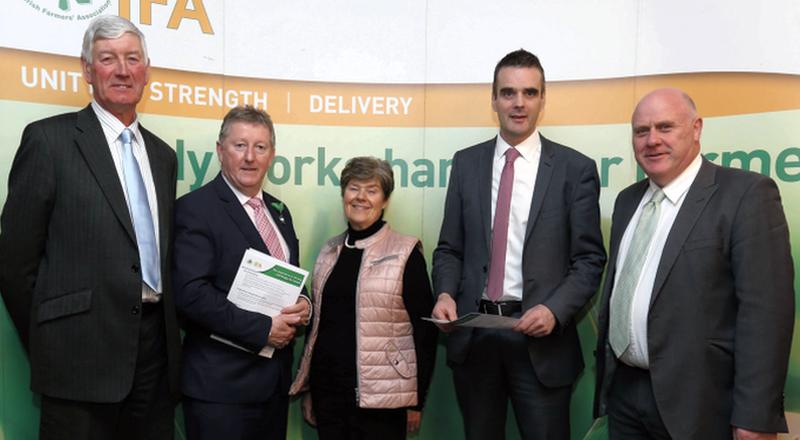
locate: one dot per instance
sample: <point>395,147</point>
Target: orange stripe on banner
<point>55,79</point>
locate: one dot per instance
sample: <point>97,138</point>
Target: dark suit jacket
<point>721,313</point>
<point>212,232</point>
<point>563,255</point>
<point>69,265</point>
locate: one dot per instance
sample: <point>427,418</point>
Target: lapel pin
<point>279,206</point>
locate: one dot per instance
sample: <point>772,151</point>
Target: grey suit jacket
<point>563,255</point>
<point>721,313</point>
<point>69,265</point>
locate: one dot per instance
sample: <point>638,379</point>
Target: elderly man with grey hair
<point>85,250</point>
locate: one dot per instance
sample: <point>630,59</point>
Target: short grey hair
<point>368,168</point>
<point>109,27</point>
<point>250,115</point>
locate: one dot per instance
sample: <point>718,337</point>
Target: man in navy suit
<point>543,271</point>
<point>232,392</point>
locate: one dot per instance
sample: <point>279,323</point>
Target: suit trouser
<point>498,368</point>
<point>147,412</point>
<point>237,421</point>
<point>632,409</point>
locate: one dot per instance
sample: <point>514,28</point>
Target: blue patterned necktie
<point>140,213</point>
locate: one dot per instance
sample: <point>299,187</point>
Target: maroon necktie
<point>265,229</point>
<point>497,265</point>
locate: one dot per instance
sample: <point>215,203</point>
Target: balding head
<point>666,134</point>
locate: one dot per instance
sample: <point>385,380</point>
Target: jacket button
<point>135,310</point>
<point>135,268</point>
<point>484,269</point>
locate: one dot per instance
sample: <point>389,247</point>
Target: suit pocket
<point>701,243</point>
<point>551,213</point>
<point>64,305</point>
<point>397,360</point>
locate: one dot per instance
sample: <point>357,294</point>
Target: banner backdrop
<point>411,82</point>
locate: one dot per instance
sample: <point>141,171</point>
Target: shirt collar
<point>243,198</point>
<point>528,149</point>
<point>680,185</point>
<point>113,127</point>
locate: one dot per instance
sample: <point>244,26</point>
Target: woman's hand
<point>413,421</point>
<point>308,410</point>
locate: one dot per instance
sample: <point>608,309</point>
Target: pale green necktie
<point>628,275</point>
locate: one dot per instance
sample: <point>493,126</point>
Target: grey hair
<point>109,27</point>
<point>368,168</point>
<point>250,115</point>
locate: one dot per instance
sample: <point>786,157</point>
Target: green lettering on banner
<point>198,169</point>
<point>745,158</point>
<point>281,273</point>
<point>326,169</point>
<point>605,165</point>
<point>788,158</point>
<point>272,174</point>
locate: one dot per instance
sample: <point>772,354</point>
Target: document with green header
<point>264,285</point>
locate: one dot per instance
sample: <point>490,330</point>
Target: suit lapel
<point>543,176</point>
<point>237,213</point>
<point>485,165</point>
<point>94,148</point>
<point>697,198</point>
<point>159,168</point>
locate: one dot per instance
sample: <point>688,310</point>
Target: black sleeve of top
<point>418,299</point>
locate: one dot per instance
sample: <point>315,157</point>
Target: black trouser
<point>147,412</point>
<point>632,410</point>
<point>498,368</point>
<point>343,420</point>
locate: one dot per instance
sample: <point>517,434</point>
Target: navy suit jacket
<point>720,323</point>
<point>212,232</point>
<point>563,254</point>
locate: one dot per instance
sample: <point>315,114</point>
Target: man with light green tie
<point>697,308</point>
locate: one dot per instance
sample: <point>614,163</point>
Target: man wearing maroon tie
<point>520,237</point>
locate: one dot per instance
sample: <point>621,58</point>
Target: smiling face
<point>245,155</point>
<point>118,73</point>
<point>666,135</point>
<point>518,99</point>
<point>363,202</point>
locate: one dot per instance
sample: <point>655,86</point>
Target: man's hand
<point>445,308</point>
<point>537,322</point>
<point>302,308</point>
<point>413,421</point>
<point>283,328</point>
<point>744,434</point>
<point>308,410</point>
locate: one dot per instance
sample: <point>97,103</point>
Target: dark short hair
<point>368,168</point>
<point>518,58</point>
<point>250,115</point>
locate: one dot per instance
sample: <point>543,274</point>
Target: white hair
<point>109,27</point>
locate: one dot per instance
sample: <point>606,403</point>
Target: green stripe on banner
<point>284,274</point>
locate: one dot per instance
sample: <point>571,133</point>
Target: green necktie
<point>628,275</point>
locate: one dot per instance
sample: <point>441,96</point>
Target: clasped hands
<point>285,324</point>
<point>538,321</point>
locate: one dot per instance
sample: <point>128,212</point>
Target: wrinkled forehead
<point>655,109</point>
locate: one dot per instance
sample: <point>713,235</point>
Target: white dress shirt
<point>525,169</point>
<point>112,129</point>
<point>637,355</point>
